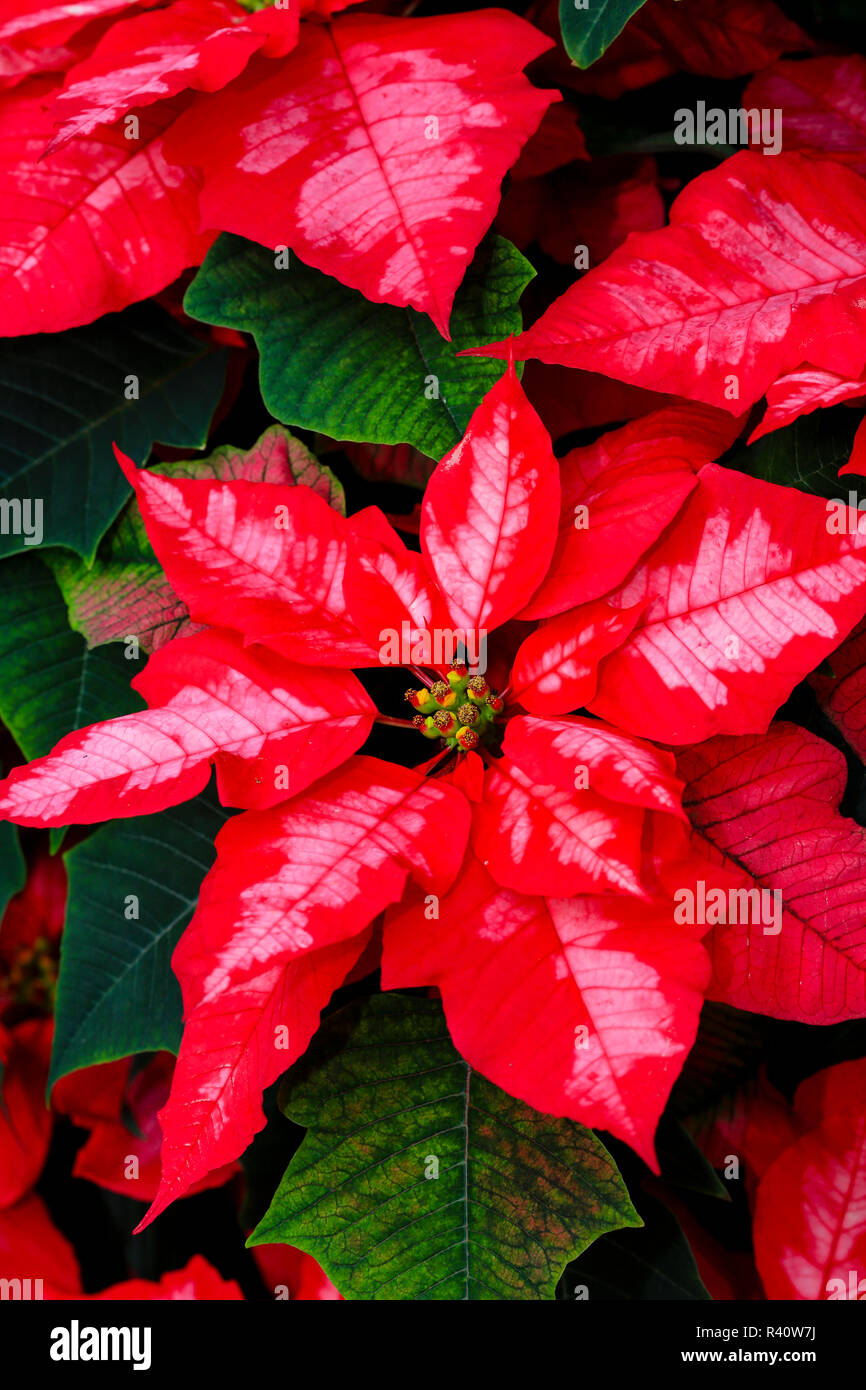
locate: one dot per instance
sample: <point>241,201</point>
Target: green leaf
<point>64,402</point>
<point>13,870</point>
<point>418,1179</point>
<point>806,454</point>
<point>50,683</point>
<point>125,591</point>
<point>654,1263</point>
<point>333,362</point>
<point>588,30</point>
<point>683,1164</point>
<point>116,994</point>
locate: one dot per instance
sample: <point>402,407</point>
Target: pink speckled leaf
<point>616,766</point>
<point>800,393</point>
<point>810,1212</point>
<point>99,225</point>
<point>748,591</point>
<point>200,44</point>
<point>539,838</point>
<point>125,591</point>
<point>762,268</point>
<point>375,150</point>
<point>268,562</point>
<point>556,667</point>
<point>490,511</point>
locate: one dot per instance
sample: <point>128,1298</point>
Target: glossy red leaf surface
<point>810,1211</point>
<point>121,1154</point>
<point>536,837</point>
<point>620,768</point>
<point>800,393</point>
<point>556,668</point>
<point>267,561</point>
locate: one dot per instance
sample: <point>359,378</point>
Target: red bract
<point>29,1241</point>
<point>32,22</point>
<point>619,494</point>
<point>289,1273</point>
<point>746,593</point>
<point>31,1247</point>
<point>487,517</point>
<point>197,1281</point>
<point>795,948</point>
<point>810,1210</point>
<point>248,711</point>
<point>201,44</point>
<point>762,268</point>
<point>25,1120</point>
<point>124,1156</point>
<point>824,104</point>
<point>802,392</point>
<point>93,227</point>
<point>280,921</point>
<point>375,150</point>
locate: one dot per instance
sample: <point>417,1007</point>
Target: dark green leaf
<point>683,1164</point>
<point>50,683</point>
<point>418,1179</point>
<point>333,362</point>
<point>806,454</point>
<point>64,401</point>
<point>653,1263</point>
<point>13,870</point>
<point>116,993</point>
<point>590,28</point>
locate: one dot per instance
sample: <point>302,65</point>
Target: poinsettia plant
<point>432,682</point>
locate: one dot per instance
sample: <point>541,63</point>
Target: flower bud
<point>444,721</point>
<point>467,739</point>
<point>443,694</point>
